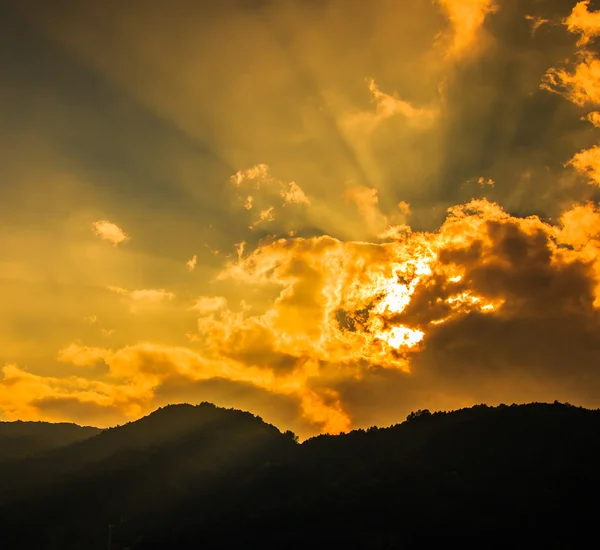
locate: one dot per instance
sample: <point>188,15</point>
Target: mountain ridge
<point>22,438</point>
<point>187,475</point>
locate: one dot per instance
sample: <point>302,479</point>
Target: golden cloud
<point>376,223</point>
<point>266,189</point>
<point>141,297</point>
<point>208,304</point>
<point>467,18</point>
<point>387,106</point>
<point>21,392</point>
<point>256,173</point>
<point>594,118</point>
<point>588,162</point>
<point>109,231</point>
<point>191,263</point>
<point>536,22</point>
<point>582,86</point>
<point>583,22</point>
<point>367,203</point>
<point>345,311</point>
<point>294,195</point>
<point>82,356</point>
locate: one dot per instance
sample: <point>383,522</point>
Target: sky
<point>328,212</point>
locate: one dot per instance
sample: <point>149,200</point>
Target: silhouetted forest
<point>204,477</point>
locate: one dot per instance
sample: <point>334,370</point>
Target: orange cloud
<point>266,215</point>
<point>294,195</point>
<point>266,190</point>
<point>141,297</point>
<point>588,162</point>
<point>346,308</point>
<point>388,106</point>
<point>191,263</point>
<point>536,22</point>
<point>209,304</point>
<point>467,18</point>
<point>82,356</point>
<point>404,208</point>
<point>580,225</point>
<point>594,118</point>
<point>255,173</point>
<point>346,312</point>
<point>110,232</point>
<point>582,86</point>
<point>367,204</point>
<point>97,402</point>
<point>584,22</point>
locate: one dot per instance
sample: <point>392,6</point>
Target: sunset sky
<point>327,212</point>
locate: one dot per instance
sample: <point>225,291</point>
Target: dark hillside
<point>135,472</point>
<point>202,477</point>
<point>20,439</point>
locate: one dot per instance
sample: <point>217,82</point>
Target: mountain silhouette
<point>21,439</point>
<point>204,477</point>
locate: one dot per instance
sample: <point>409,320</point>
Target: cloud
<point>588,162</point>
<point>583,22</point>
<point>483,182</point>
<point>110,232</point>
<point>191,263</point>
<point>21,392</point>
<point>376,223</point>
<point>82,356</point>
<point>256,174</point>
<point>404,208</point>
<point>266,190</point>
<point>581,86</point>
<point>367,204</point>
<point>386,107</point>
<point>136,375</point>
<point>266,215</point>
<point>536,22</point>
<point>594,118</point>
<point>143,297</point>
<point>208,304</point>
<point>150,295</point>
<point>393,305</point>
<point>294,195</point>
<point>467,18</point>
<point>465,309</point>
